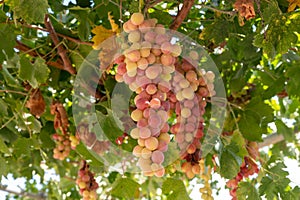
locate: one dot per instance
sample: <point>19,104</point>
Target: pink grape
<point>154,121</point>
<point>151,89</point>
<point>157,157</point>
<point>167,59</point>
<point>151,143</point>
<point>137,18</point>
<point>150,36</point>
<point>145,133</point>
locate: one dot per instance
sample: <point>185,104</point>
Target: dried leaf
<point>61,118</point>
<point>101,34</point>
<point>36,103</point>
<point>293,4</point>
<point>245,9</point>
<point>114,26</point>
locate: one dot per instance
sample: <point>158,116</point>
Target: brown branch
<point>22,47</point>
<point>40,196</point>
<point>187,5</point>
<point>61,50</point>
<point>272,139</point>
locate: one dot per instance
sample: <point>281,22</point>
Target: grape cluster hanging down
<point>163,84</point>
<point>63,138</point>
<point>86,183</point>
<point>191,91</point>
<point>248,168</point>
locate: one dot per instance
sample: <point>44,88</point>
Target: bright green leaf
<point>175,189</point>
<point>29,10</point>
<point>125,188</point>
<point>283,129</point>
<point>4,148</point>
<point>230,162</point>
<point>246,191</point>
<point>35,74</point>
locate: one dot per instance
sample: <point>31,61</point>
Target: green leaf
<point>7,135</point>
<point>3,108</point>
<point>82,15</point>
<point>246,191</point>
<point>112,176</point>
<point>35,74</point>
<point>4,148</point>
<point>283,129</point>
<point>275,182</point>
<point>175,189</point>
<point>238,140</point>
<point>7,48</point>
<point>125,188</point>
<point>22,147</point>
<point>29,10</point>
<point>255,118</point>
<point>230,161</point>
<point>3,167</point>
<point>293,85</point>
<point>9,79</point>
<point>45,136</point>
<point>249,127</point>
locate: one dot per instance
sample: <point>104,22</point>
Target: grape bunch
<point>87,183</point>
<point>188,100</point>
<point>146,67</point>
<point>206,192</point>
<point>248,168</point>
<point>163,83</point>
<point>63,146</point>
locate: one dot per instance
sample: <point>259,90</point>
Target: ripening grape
<point>134,36</point>
<point>145,133</point>
<point>63,146</point>
<point>157,157</point>
<point>137,18</point>
<point>151,143</point>
<point>86,183</point>
<point>166,59</point>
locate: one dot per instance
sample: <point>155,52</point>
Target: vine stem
<point>40,196</point>
<point>231,13</point>
<point>181,15</point>
<point>15,92</point>
<point>60,48</point>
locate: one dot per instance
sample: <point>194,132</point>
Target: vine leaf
<point>247,191</point>
<point>175,189</point>
<point>29,10</point>
<point>293,84</point>
<point>254,119</point>
<point>4,148</point>
<point>125,188</point>
<point>7,47</point>
<point>230,161</point>
<point>275,181</point>
<point>36,73</point>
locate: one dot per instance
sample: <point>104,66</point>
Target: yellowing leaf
<point>114,26</point>
<point>293,5</point>
<point>101,34</point>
